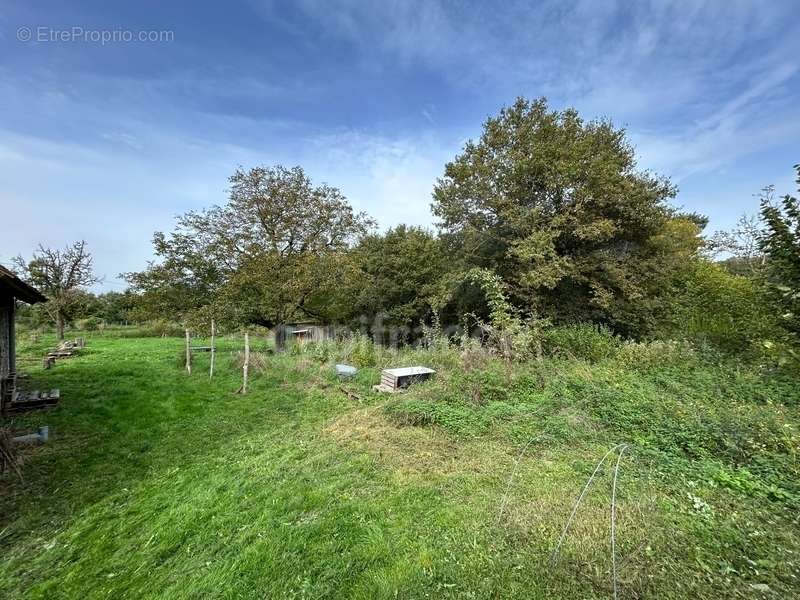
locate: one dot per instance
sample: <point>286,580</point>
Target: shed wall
<point>7,362</point>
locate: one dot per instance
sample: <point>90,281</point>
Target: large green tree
<point>399,274</point>
<point>780,242</point>
<point>271,254</point>
<point>556,206</point>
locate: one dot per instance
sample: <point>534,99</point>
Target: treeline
<point>85,310</point>
<point>544,220</point>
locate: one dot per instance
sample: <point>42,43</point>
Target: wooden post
<point>246,361</point>
<point>188,353</point>
<point>213,351</point>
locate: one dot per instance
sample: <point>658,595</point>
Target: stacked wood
<point>65,349</point>
<point>22,400</point>
<point>15,400</point>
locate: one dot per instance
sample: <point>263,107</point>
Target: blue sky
<point>109,141</point>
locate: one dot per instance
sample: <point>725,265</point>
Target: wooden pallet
<point>64,350</point>
<point>29,400</point>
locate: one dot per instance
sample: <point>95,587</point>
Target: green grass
<point>161,484</point>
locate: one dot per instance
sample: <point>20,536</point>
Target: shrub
<point>584,341</point>
<point>481,386</point>
<point>89,324</point>
<point>647,355</point>
<point>161,328</point>
<point>713,306</point>
<point>359,350</point>
<point>507,334</point>
<point>320,351</point>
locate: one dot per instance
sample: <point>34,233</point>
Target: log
<point>349,394</point>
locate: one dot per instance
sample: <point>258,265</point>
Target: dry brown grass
<point>413,452</point>
<point>9,459</point>
<point>258,361</point>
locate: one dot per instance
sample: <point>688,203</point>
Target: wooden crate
<point>397,379</point>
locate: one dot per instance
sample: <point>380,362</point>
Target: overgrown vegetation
<point>160,484</point>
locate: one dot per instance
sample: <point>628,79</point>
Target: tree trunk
<point>60,325</point>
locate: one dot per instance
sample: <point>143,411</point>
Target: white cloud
<point>700,85</point>
<point>116,200</point>
<point>390,178</point>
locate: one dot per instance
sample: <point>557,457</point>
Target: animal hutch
<point>393,380</point>
<point>12,289</point>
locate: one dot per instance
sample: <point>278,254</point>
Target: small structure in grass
<point>394,380</point>
<point>345,371</point>
<point>212,349</point>
<point>65,349</point>
<point>12,289</point>
<point>301,333</point>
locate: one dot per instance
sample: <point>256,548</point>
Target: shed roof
<point>11,285</point>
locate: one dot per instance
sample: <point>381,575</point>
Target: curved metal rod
<point>556,550</point>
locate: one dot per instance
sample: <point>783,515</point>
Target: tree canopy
<point>556,207</point>
<point>269,255</point>
<point>544,207</point>
<point>399,273</point>
<point>780,242</point>
<point>60,273</point>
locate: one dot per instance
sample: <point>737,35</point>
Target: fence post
<point>188,354</point>
<point>213,351</point>
<point>246,361</point>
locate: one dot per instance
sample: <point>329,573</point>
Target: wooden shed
<point>310,332</point>
<point>12,288</point>
<point>303,332</point>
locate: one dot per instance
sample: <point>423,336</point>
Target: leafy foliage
<point>555,206</point>
<point>59,274</point>
<point>781,243</point>
<point>507,333</point>
<point>710,305</point>
<point>277,250</point>
<point>399,272</point>
<point>584,341</point>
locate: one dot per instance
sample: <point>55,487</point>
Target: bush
<point>362,351</point>
<point>713,306</point>
<point>89,324</point>
<point>161,328</point>
<point>584,341</point>
<point>482,386</point>
<point>648,355</point>
<point>320,351</point>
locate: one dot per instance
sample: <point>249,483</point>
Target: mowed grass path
<point>157,484</point>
